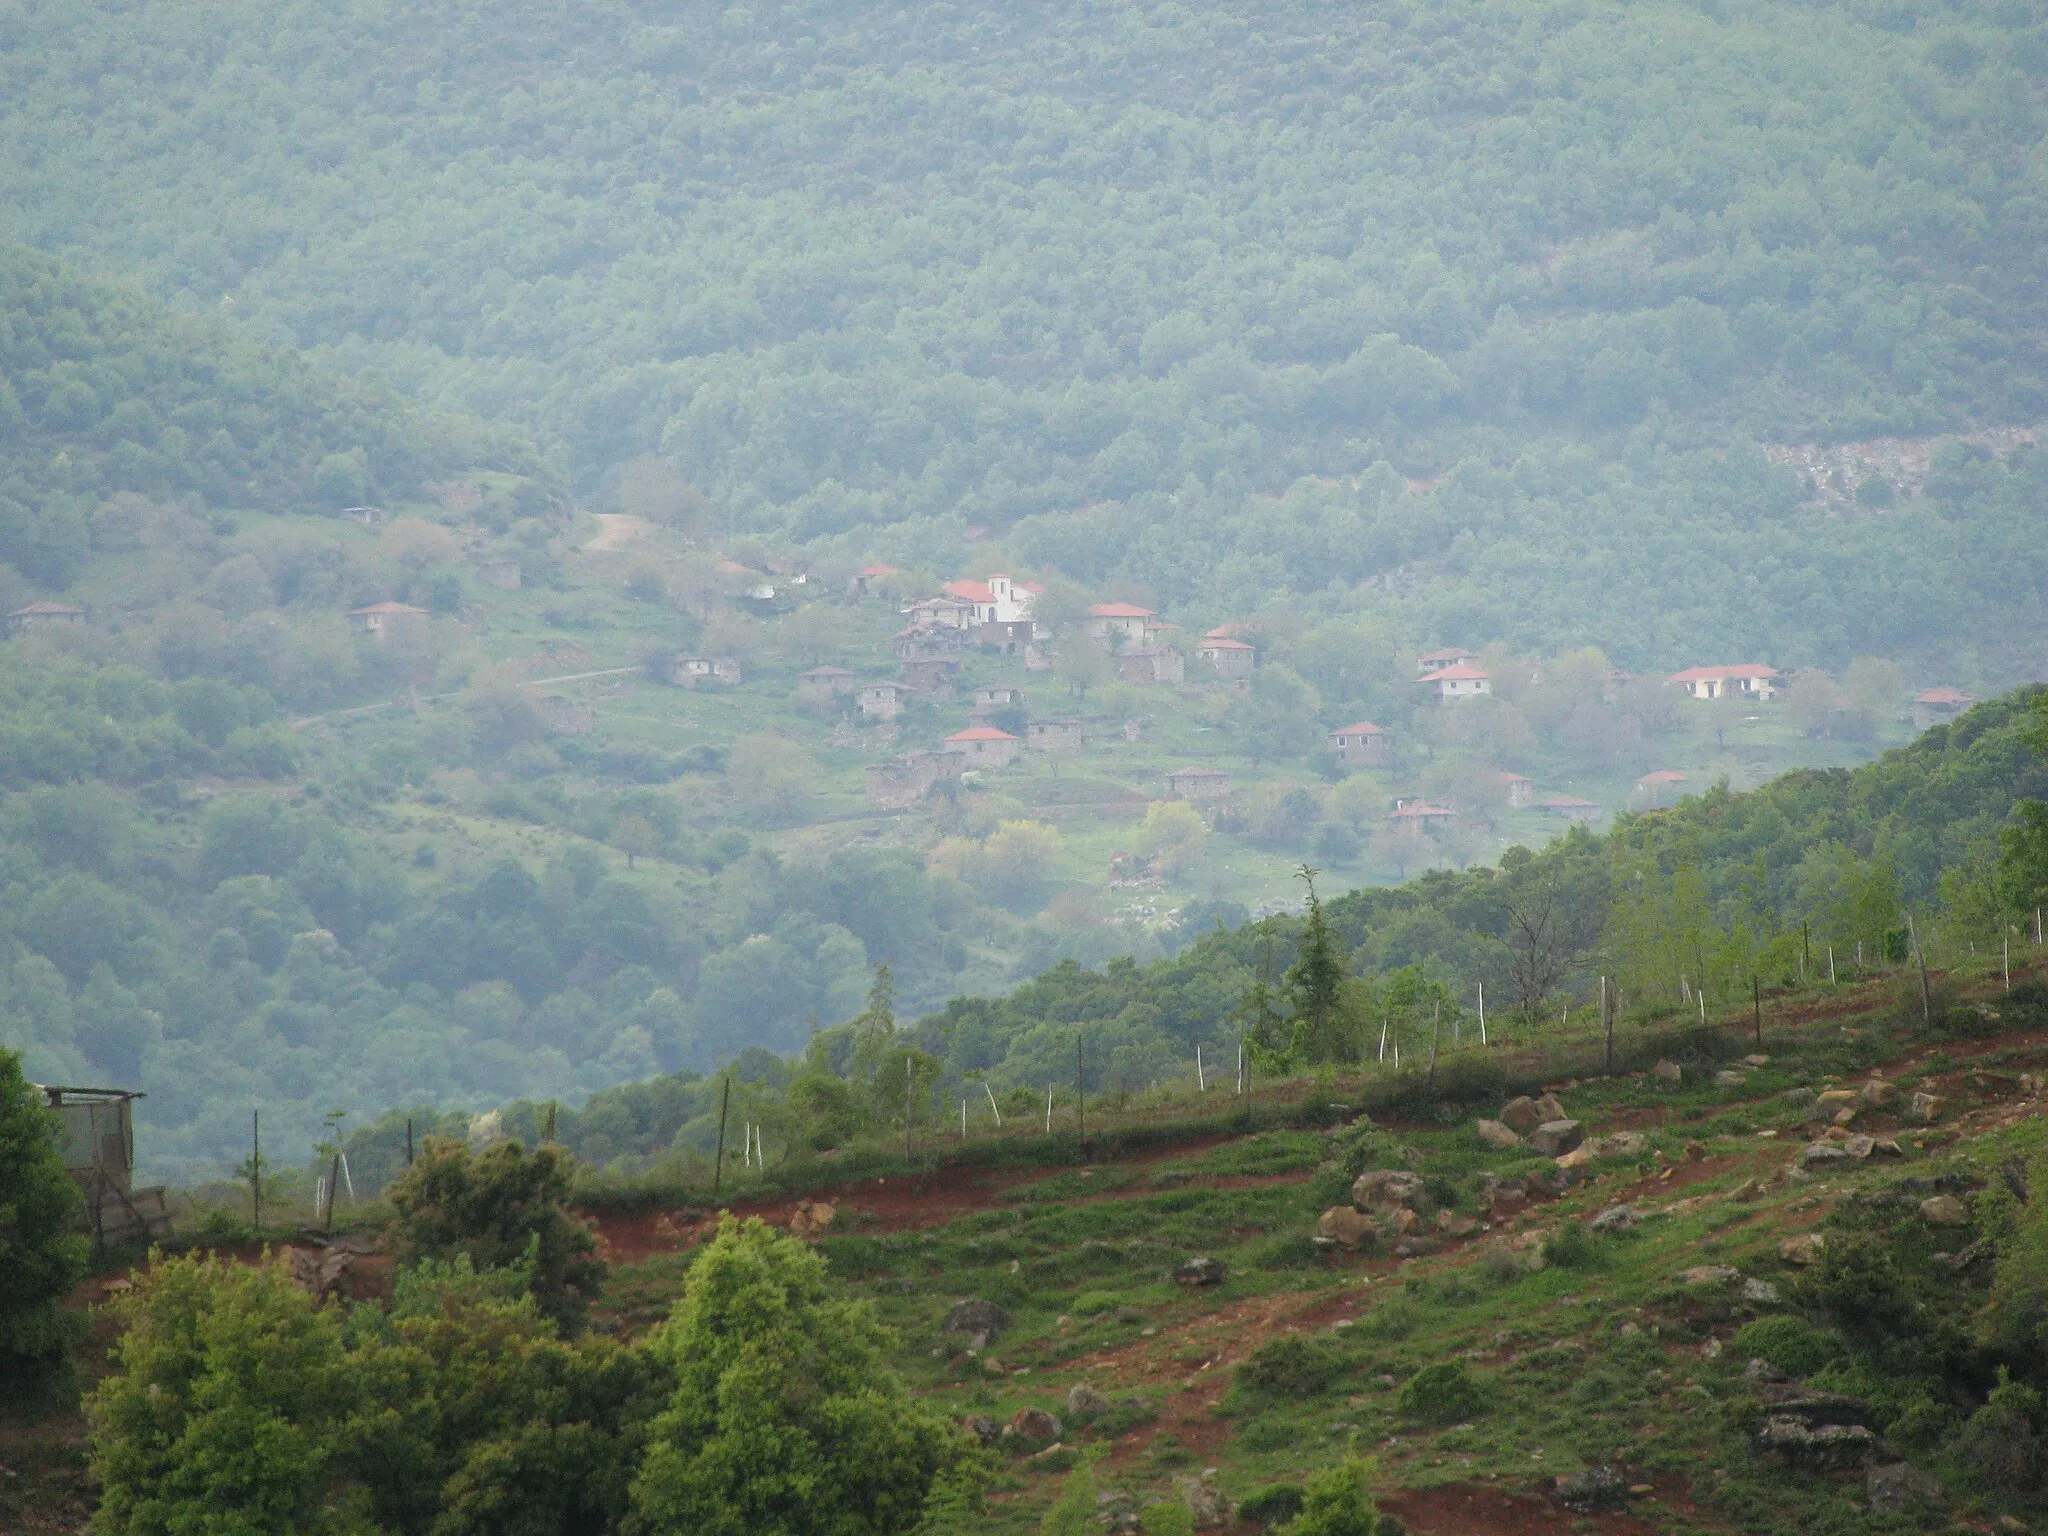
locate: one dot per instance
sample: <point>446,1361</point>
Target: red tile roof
<point>385,608</point>
<point>1711,674</point>
<point>1360,728</point>
<point>1222,643</point>
<point>970,591</point>
<point>981,733</point>
<point>44,608</point>
<point>1449,653</point>
<point>1121,611</point>
<point>1664,776</point>
<point>1939,696</point>
<point>1457,674</point>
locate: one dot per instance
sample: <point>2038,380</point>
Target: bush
<point>1856,1284</point>
<point>1274,1504</point>
<point>1337,1502</point>
<point>1571,1246</point>
<point>1297,1250</point>
<point>1442,1393</point>
<point>1168,1520</point>
<point>1792,1344</point>
<point>44,1254</point>
<point>498,1208</point>
<point>1290,1366</point>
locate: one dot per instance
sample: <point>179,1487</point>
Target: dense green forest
<point>1696,900</point>
<point>1108,279</point>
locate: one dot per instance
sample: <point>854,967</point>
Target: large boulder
<point>1497,1136</point>
<point>1836,1100</point>
<point>1520,1115</point>
<point>1668,1072</point>
<point>1620,1144</point>
<point>1895,1487</point>
<point>1085,1402</point>
<point>1033,1426</point>
<point>1729,1077</point>
<point>1924,1108</point>
<point>1616,1218</point>
<point>1815,1447</point>
<point>1551,1107</point>
<point>1201,1270</point>
<point>1347,1228</point>
<point>1505,1197</point>
<point>1803,1249</point>
<point>1555,1137</point>
<point>979,1320</point>
<point>1385,1189</point>
<point>1879,1094</point>
<point>1944,1211</point>
<point>1821,1153</point>
<point>1594,1488</point>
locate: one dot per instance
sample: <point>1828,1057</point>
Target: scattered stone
<point>1033,1426</point>
<point>1944,1211</point>
<point>1084,1402</point>
<point>1822,1152</point>
<point>1710,1274</point>
<point>982,1427</point>
<point>1054,1458</point>
<point>1761,1293</point>
<point>1804,1249</point>
<point>811,1218</point>
<point>1846,1116</point>
<point>1202,1270</point>
<point>1761,1371</point>
<point>1555,1137</point>
<point>1924,1108</point>
<point>1695,1153</point>
<point>1496,1136</point>
<point>1748,1189</point>
<point>1896,1486</point>
<point>1519,1115</point>
<point>1345,1227</point>
<point>1451,1224</point>
<point>1877,1093</point>
<point>1551,1107</point>
<point>1756,1059</point>
<point>1711,1350</point>
<point>1887,1146</point>
<point>1859,1146</point>
<point>1594,1488</point>
<point>1814,1447</point>
<point>1507,1198</point>
<point>979,1320</point>
<point>1205,1499</point>
<point>1729,1077</point>
<point>1385,1188</point>
<point>1668,1071</point>
<point>1616,1218</point>
<point>1837,1098</point>
<point>1797,1095</point>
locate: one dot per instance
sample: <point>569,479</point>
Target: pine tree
<point>1259,1021</point>
<point>1314,987</point>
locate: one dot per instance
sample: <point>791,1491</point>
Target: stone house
<point>1053,735</point>
<point>1198,783</point>
<point>1750,679</point>
<point>1429,663</point>
<point>823,683</point>
<point>1148,664</point>
<point>1361,743</point>
<point>882,701</point>
<point>388,621</point>
<point>697,671</point>
<point>36,616</point>
<point>928,674</point>
<point>983,746</point>
<point>1230,657</point>
<point>1127,622</point>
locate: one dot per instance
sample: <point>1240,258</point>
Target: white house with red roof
<point>983,746</point>
<point>1458,680</point>
<point>1230,656</point>
<point>999,600</point>
<point>1429,663</point>
<point>1361,742</point>
<point>381,621</point>
<point>1751,679</point>
<point>1932,706</point>
<point>1123,621</point>
<point>1420,815</point>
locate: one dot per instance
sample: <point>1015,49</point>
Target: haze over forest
<point>1598,341</point>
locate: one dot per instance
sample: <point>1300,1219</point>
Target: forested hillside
<point>1107,278</point>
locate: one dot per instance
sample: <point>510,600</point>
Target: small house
<point>1148,664</point>
<point>388,621</point>
<point>39,616</point>
<point>940,613</point>
<point>753,585</point>
<point>1415,814</point>
<point>868,580</point>
<point>1361,742</point>
<point>1053,736</point>
<point>698,671</point>
<point>1199,782</point>
<point>1521,789</point>
<point>1568,808</point>
<point>928,674</point>
<point>992,699</point>
<point>824,683</point>
<point>882,701</point>
<point>999,600</point>
<point>1231,658</point>
<point>1935,706</point>
<point>1662,786</point>
<point>983,746</point>
<point>1429,663</point>
<point>1007,637</point>
<point>910,778</point>
<point>1458,680</point>
<point>1112,622</point>
<point>1749,679</point>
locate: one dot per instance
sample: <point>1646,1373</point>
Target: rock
<point>1709,1274</point>
<point>1508,1198</point>
<point>1825,1446</point>
<point>1205,1499</point>
<point>1837,1098</point>
<point>1761,1371</point>
<point>811,1218</point>
<point>1668,1071</point>
<point>1897,1486</point>
<point>1404,1221</point>
<point>1620,1144</point>
<point>1924,1108</point>
<point>1877,1093</point>
<point>1496,1136</point>
<point>1054,1458</point>
<point>1451,1224</point>
<point>1201,1270</point>
<point>1860,1147</point>
<point>1695,1153</point>
<point>1887,1146</point>
<point>982,1427</point>
<point>1747,1190</point>
<point>1554,1137</point>
<point>1730,1078</point>
<point>1846,1115</point>
<point>1084,1402</point>
<point>1550,1107</point>
<point>1822,1152</point>
<point>1803,1249</point>
<point>1519,1115</point>
<point>1385,1189</point>
<point>1117,1512</point>
<point>1811,1407</point>
<point>1756,1059</point>
<point>1344,1226</point>
<point>1944,1211</point>
<point>1578,1159</point>
<point>1797,1095</point>
<point>1033,1426</point>
<point>1761,1293</point>
<point>979,1320</point>
<point>1594,1488</point>
<point>1616,1218</point>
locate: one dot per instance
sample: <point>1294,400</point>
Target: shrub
<point>1792,1344</point>
<point>1442,1393</point>
<point>496,1207</point>
<point>1337,1502</point>
<point>1296,1250</point>
<point>1168,1520</point>
<point>1274,1504</point>
<point>1571,1246</point>
<point>1290,1366</point>
<point>44,1255</point>
<point>1856,1284</point>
